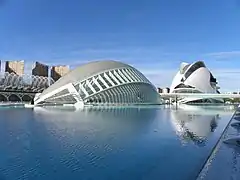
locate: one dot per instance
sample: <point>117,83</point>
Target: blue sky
<point>152,35</point>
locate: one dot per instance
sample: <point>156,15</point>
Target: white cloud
<point>228,79</point>
<point>159,77</point>
<point>224,54</point>
<point>121,50</point>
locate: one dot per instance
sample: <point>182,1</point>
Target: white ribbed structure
<point>101,82</point>
<point>26,83</point>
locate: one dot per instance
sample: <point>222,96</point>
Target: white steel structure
<point>195,78</point>
<point>26,83</point>
<point>100,82</point>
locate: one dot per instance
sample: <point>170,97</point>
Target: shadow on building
<point>8,69</point>
<point>40,70</point>
<point>55,75</point>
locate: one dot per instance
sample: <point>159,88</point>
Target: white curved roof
<point>85,71</point>
<point>195,75</point>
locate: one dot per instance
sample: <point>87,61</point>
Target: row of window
<point>183,86</point>
<point>186,91</point>
<point>210,100</point>
<point>108,79</point>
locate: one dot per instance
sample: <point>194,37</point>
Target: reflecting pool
<point>158,142</point>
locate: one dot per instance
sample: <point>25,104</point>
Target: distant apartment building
<point>160,90</point>
<point>166,90</point>
<point>163,90</point>
<point>59,71</point>
<point>40,70</point>
<point>16,67</point>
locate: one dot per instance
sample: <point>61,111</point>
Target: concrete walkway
<point>224,161</point>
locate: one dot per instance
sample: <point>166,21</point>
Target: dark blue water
<point>108,143</point>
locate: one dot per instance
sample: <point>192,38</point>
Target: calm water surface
<point>108,143</point>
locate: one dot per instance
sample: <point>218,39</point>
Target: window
<point>183,86</point>
<point>131,74</point>
<point>193,68</point>
<point>212,79</point>
<point>123,76</point>
<point>106,81</point>
<point>115,74</point>
<point>88,89</point>
<point>96,87</point>
<point>110,77</point>
<point>101,84</point>
<point>127,75</point>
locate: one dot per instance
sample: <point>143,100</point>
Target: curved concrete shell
<point>195,78</point>
<point>101,82</point>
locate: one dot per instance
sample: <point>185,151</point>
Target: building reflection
<point>107,111</point>
<point>191,123</point>
<point>112,119</point>
<point>194,123</point>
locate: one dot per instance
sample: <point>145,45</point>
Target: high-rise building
<point>59,71</point>
<point>16,67</point>
<point>40,70</point>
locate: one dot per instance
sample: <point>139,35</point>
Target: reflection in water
<point>115,119</point>
<point>107,142</point>
<point>196,123</point>
<point>191,123</point>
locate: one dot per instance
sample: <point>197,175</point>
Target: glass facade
<point>183,86</point>
<point>209,100</point>
<point>193,68</point>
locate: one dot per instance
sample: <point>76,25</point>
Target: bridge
<point>14,87</point>
<point>198,95</point>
